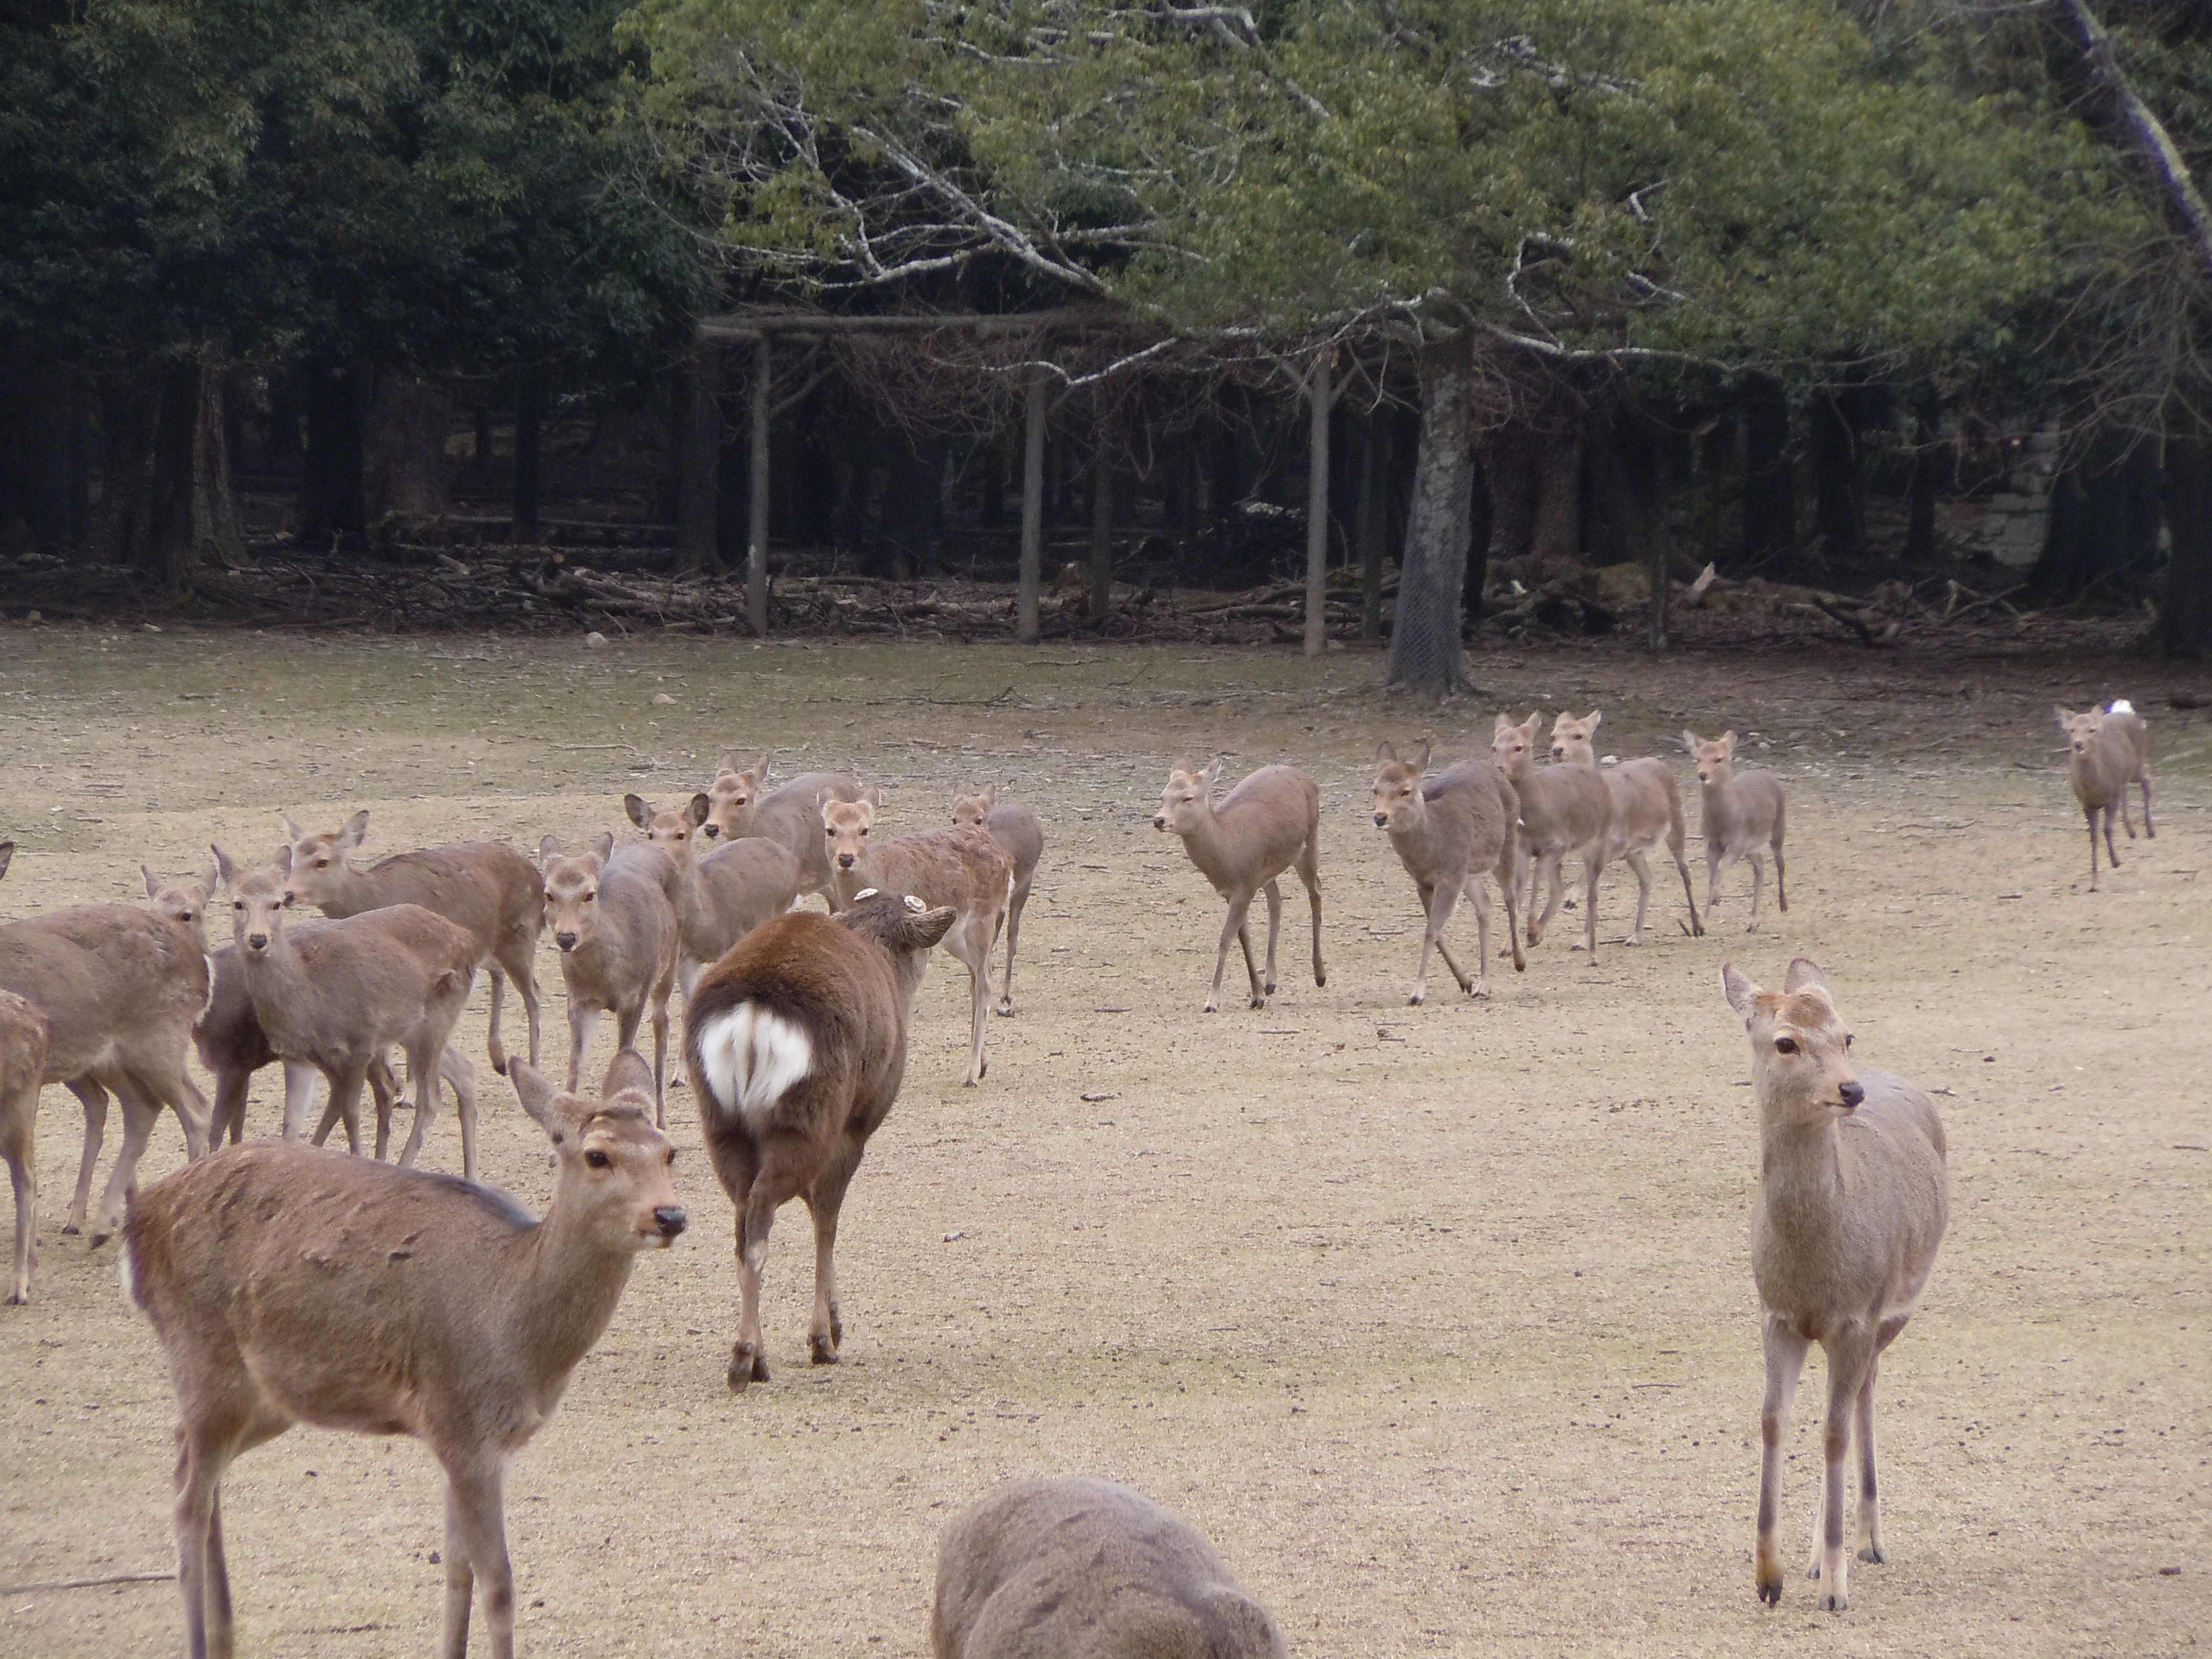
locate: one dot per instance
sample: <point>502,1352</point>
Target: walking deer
<point>1089,1569</point>
<point>1268,824</point>
<point>1021,837</point>
<point>1853,1200</point>
<point>612,911</point>
<point>1450,831</point>
<point>1567,811</point>
<point>2107,749</point>
<point>797,1041</point>
<point>1647,810</point>
<point>26,1037</point>
<point>1742,817</point>
<point>288,1284</point>
<point>790,813</point>
<point>964,871</point>
<point>723,896</point>
<point>485,886</point>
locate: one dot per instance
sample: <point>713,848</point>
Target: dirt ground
<point>1439,1320</point>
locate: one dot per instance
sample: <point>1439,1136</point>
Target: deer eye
<point>1785,1045</point>
<point>588,898</point>
<point>1847,1039</point>
<point>598,1159</point>
<point>671,1158</point>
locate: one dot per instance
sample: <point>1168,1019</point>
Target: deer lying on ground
<point>26,1037</point>
<point>1021,837</point>
<point>790,813</point>
<point>288,1284</point>
<point>1852,1200</point>
<point>1742,817</point>
<point>964,871</point>
<point>485,886</point>
<point>612,911</point>
<point>723,896</point>
<point>1450,831</point>
<point>1268,824</point>
<point>797,1043</point>
<point>2107,749</point>
<point>1087,1568</point>
<point>1567,811</point>
<point>1647,810</point>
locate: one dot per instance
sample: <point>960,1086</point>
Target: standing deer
<point>1021,837</point>
<point>1647,810</point>
<point>485,886</point>
<point>1266,825</point>
<point>612,911</point>
<point>796,1039</point>
<point>2107,749</point>
<point>26,1037</point>
<point>1567,811</point>
<point>1852,1200</point>
<point>723,896</point>
<point>288,1284</point>
<point>1743,817</point>
<point>1450,831</point>
<point>790,813</point>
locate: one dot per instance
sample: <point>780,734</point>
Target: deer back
<point>741,885</point>
<point>107,976</point>
<point>963,870</point>
<point>484,886</point>
<point>370,980</point>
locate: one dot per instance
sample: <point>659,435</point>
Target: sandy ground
<point>1439,1320</point>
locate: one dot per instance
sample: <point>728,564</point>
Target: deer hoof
<point>1480,988</point>
<point>1770,1591</point>
<point>1833,1601</point>
<point>821,1350</point>
<point>99,1236</point>
<point>1260,1001</point>
<point>1005,1010</point>
<point>1873,1555</point>
<point>1420,995</point>
<point>747,1365</point>
<point>71,1229</point>
<point>18,1299</point>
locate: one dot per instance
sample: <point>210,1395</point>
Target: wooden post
<point>756,531</point>
<point>1026,623</point>
<point>698,456</point>
<point>1320,395</point>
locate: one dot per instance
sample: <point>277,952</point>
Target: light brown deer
<point>1647,811</point>
<point>1853,1200</point>
<point>723,896</point>
<point>1450,831</point>
<point>611,910</point>
<point>797,1041</point>
<point>1088,1569</point>
<point>1268,824</point>
<point>740,804</point>
<point>288,1284</point>
<point>26,1036</point>
<point>485,886</point>
<point>1567,811</point>
<point>2107,749</point>
<point>961,870</point>
<point>1021,837</point>
<point>1743,816</point>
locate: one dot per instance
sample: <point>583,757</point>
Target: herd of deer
<point>290,1284</point>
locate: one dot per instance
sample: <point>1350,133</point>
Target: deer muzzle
<point>671,1219</point>
<point>566,941</point>
<point>1852,1094</point>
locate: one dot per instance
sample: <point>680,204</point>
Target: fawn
<point>2107,749</point>
<point>1449,831</point>
<point>1743,818</point>
<point>1269,822</point>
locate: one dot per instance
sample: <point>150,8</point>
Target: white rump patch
<point>753,1056</point>
<point>2121,707</point>
<point>866,892</point>
<point>918,907</point>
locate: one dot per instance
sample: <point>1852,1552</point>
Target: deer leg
<point>1479,895</point>
<point>94,1099</point>
<point>1850,1352</point>
<point>1015,901</point>
<point>476,1519</point>
<point>519,958</point>
<point>660,1059</point>
<point>581,1020</point>
<point>1309,875</point>
<point>1870,1528</point>
<point>202,1456</point>
<point>1785,1363</point>
<point>460,1076</point>
<point>2092,813</point>
<point>827,1332</point>
<point>1512,930</point>
<point>492,1044</point>
<point>221,1624</point>
<point>1697,927</point>
<point>1274,892</point>
<point>2143,778</point>
<point>461,1581</point>
<point>424,1068</point>
<point>1717,863</point>
<point>2112,852</point>
<point>1550,878</point>
<point>1781,892</point>
<point>974,949</point>
<point>748,1361</point>
<point>1641,866</point>
<point>19,1126</point>
<point>1233,928</point>
<point>1593,868</point>
<point>1429,931</point>
<point>227,1123</point>
<point>140,1113</point>
<point>345,1101</point>
<point>1757,881</point>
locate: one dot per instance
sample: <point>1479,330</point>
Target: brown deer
<point>723,896</point>
<point>1567,811</point>
<point>1450,831</point>
<point>611,910</point>
<point>25,1038</point>
<point>963,870</point>
<point>288,1284</point>
<point>1647,810</point>
<point>797,1041</point>
<point>485,886</point>
<point>1743,817</point>
<point>1088,1569</point>
<point>1268,824</point>
<point>2107,748</point>
<point>1852,1200</point>
<point>1021,837</point>
<point>790,813</point>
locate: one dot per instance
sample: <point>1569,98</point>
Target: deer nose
<point>1853,1093</point>
<point>710,830</point>
<point>1557,753</point>
<point>671,1220</point>
<point>257,941</point>
<point>844,860</point>
<point>566,941</point>
<point>1381,820</point>
<point>1159,820</point>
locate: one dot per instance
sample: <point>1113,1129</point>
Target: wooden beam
<point>757,531</point>
<point>1320,394</point>
<point>1025,624</point>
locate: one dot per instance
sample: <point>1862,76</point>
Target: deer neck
<point>569,1289</point>
<point>1209,849</point>
<point>351,893</point>
<point>1800,1167</point>
<point>277,981</point>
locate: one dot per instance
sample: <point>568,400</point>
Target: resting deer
<point>797,1041</point>
<point>964,871</point>
<point>1567,811</point>
<point>790,813</point>
<point>26,1036</point>
<point>1088,1569</point>
<point>613,912</point>
<point>2107,749</point>
<point>1268,824</point>
<point>485,886</point>
<point>1647,810</point>
<point>1743,817</point>
<point>288,1284</point>
<point>1021,837</point>
<point>1852,1200</point>
<point>1450,831</point>
<point>723,896</point>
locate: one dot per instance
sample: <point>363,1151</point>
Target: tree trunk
<point>1514,482</point>
<point>216,537</point>
<point>1556,535</point>
<point>1025,606</point>
<point>405,452</point>
<point>1770,487</point>
<point>1374,523</point>
<point>1920,495</point>
<point>128,425</point>
<point>2184,616</point>
<point>332,504</point>
<point>1840,493</point>
<point>168,548</point>
<point>2103,519</point>
<point>1629,476</point>
<point>756,489</point>
<point>1320,396</point>
<point>1102,520</point>
<point>1479,531</point>
<point>1425,655</point>
<point>699,449</point>
<point>529,450</point>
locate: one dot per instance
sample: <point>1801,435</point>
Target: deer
<point>723,896</point>
<point>1268,824</point>
<point>290,1284</point>
<point>485,886</point>
<point>613,912</point>
<point>338,998</point>
<point>1567,811</point>
<point>1449,831</point>
<point>26,1039</point>
<point>1742,817</point>
<point>963,870</point>
<point>1647,810</point>
<point>1853,1196</point>
<point>1072,1566</point>
<point>2107,748</point>
<point>796,1039</point>
<point>1021,837</point>
<point>790,813</point>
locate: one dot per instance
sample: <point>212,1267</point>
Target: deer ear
<point>990,796</point>
<point>2065,714</point>
<point>1689,740</point>
<point>549,848</point>
<point>1501,725</point>
<point>1212,772</point>
<point>1384,752</point>
<point>1739,990</point>
<point>210,878</point>
<point>603,847</point>
<point>629,1071</point>
<point>641,813</point>
<point>1421,760</point>
<point>760,772</point>
<point>152,885</point>
<point>1804,973</point>
<point>356,831</point>
<point>727,763</point>
<point>7,855</point>
<point>697,810</point>
<point>538,1096</point>
<point>872,798</point>
<point>1595,715</point>
<point>283,862</point>
<point>292,831</point>
<point>226,871</point>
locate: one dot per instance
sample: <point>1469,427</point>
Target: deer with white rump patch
<point>1853,1196</point>
<point>1567,811</point>
<point>1450,831</point>
<point>740,803</point>
<point>25,1038</point>
<point>1743,817</point>
<point>797,1041</point>
<point>1647,810</point>
<point>723,896</point>
<point>1021,837</point>
<point>1268,824</point>
<point>2107,748</point>
<point>611,910</point>
<point>288,1284</point>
